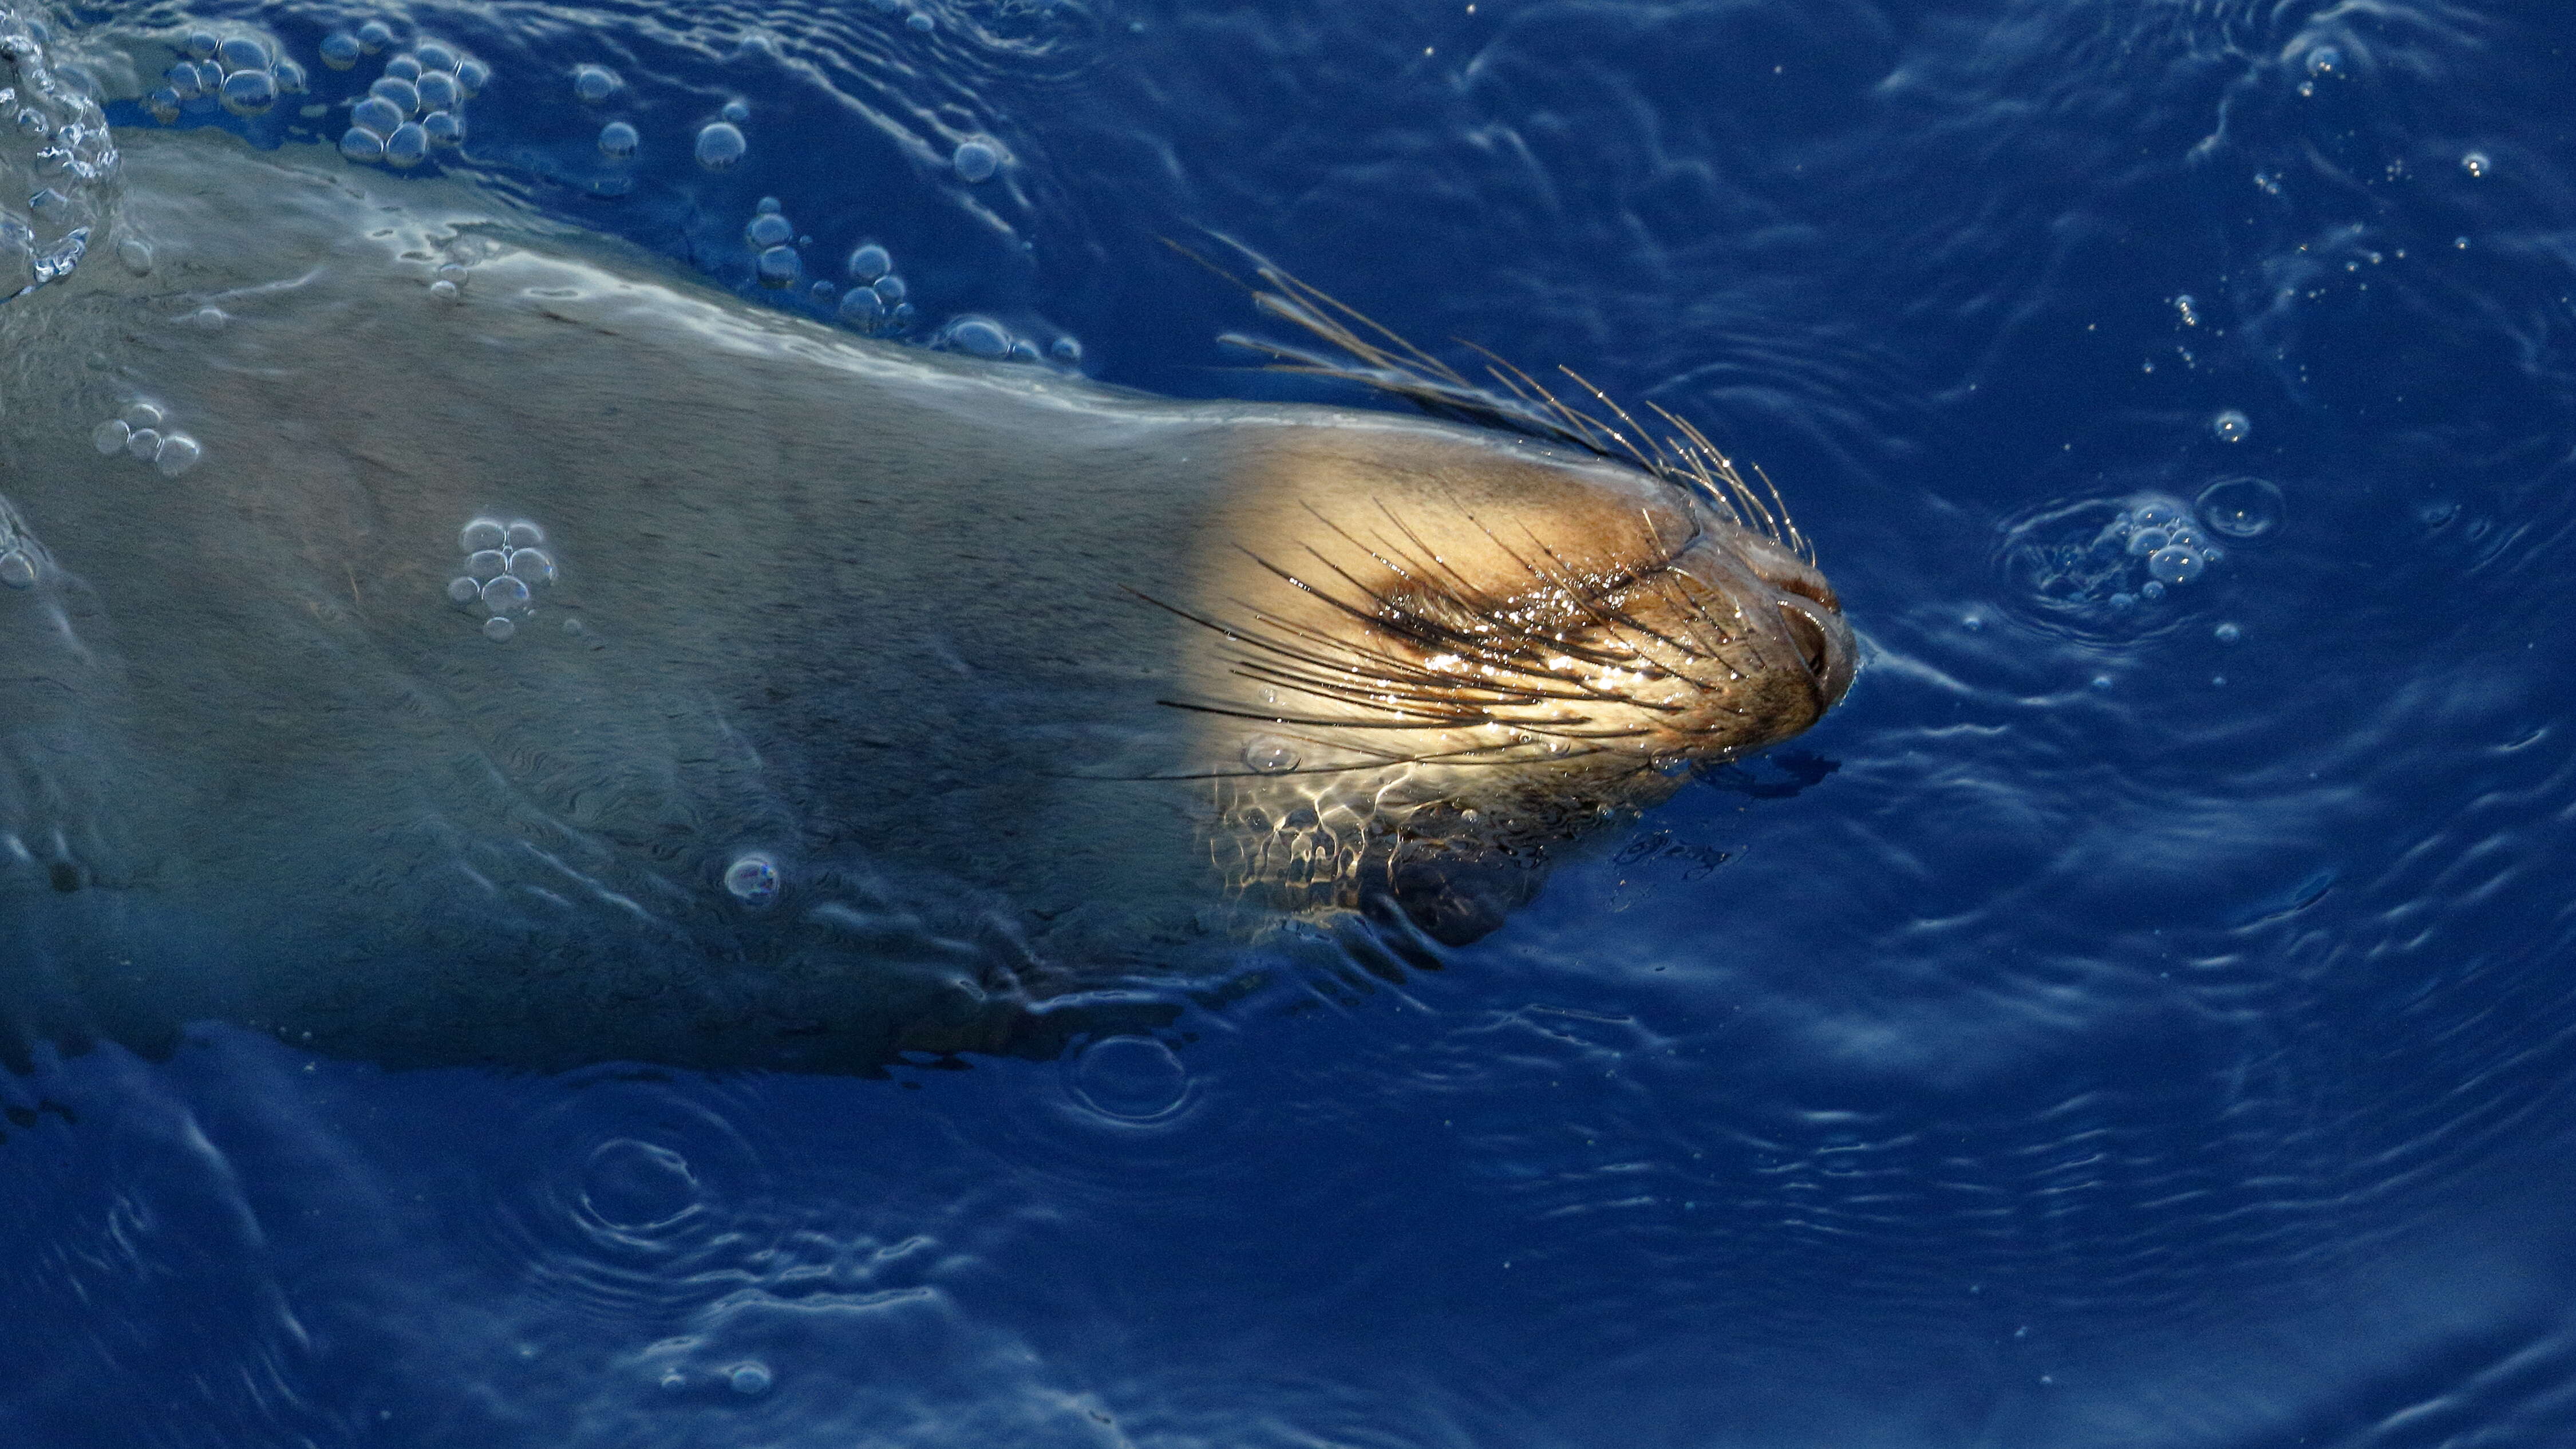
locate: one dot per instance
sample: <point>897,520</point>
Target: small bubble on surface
<point>1269,755</point>
<point>181,78</point>
<point>505,595</point>
<point>618,139</point>
<point>201,43</point>
<point>735,111</point>
<point>404,67</point>
<point>291,79</point>
<point>2227,633</point>
<point>250,92</point>
<point>2476,164</point>
<point>719,146</point>
<point>860,308</point>
<point>176,454</point>
<point>480,534</point>
<point>778,267</point>
<point>2324,61</point>
<point>17,570</point>
<point>531,565</point>
<point>163,103</point>
<point>979,337</point>
<point>752,878</point>
<point>486,563</point>
<point>206,319</point>
<point>2231,426</point>
<point>407,147</point>
<point>471,77</point>
<point>595,83</point>
<point>463,591</point>
<point>1131,1078</point>
<point>524,534</point>
<point>2145,541</point>
<point>435,57</point>
<point>141,415</point>
<point>437,91</point>
<point>975,161</point>
<point>2175,565</point>
<point>498,628</point>
<point>136,255</point>
<point>374,36</point>
<point>2151,589</point>
<point>870,262</point>
<point>444,128</point>
<point>393,90</point>
<point>452,272</point>
<point>2240,507</point>
<point>674,1381</point>
<point>143,443</point>
<point>768,230</point>
<point>1023,350</point>
<point>339,50</point>
<point>242,53</point>
<point>749,1378</point>
<point>920,22</point>
<point>376,114</point>
<point>1067,351</point>
<point>445,291</point>
<point>890,289</point>
<point>767,206</point>
<point>109,437</point>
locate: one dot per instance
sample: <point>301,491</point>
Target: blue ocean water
<point>2138,1016</point>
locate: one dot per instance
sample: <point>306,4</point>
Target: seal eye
<point>1809,637</point>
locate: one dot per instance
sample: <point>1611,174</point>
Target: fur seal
<point>581,664</point>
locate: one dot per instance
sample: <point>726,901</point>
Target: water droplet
<point>2475,163</point>
<point>498,628</point>
<point>339,50</point>
<point>1269,755</point>
<point>463,591</point>
<point>2240,507</point>
<point>248,93</point>
<point>749,1378</point>
<point>975,161</point>
<point>592,84</point>
<point>719,146</point>
<point>2175,565</point>
<point>753,879</point>
<point>2231,426</point>
<point>17,570</point>
<point>618,139</point>
<point>980,337</point>
<point>109,437</point>
<point>176,454</point>
<point>407,147</point>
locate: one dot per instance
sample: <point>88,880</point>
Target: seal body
<point>584,665</point>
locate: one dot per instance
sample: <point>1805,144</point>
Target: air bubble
<point>768,206</point>
<point>768,230</point>
<point>778,267</point>
<point>401,94</point>
<point>437,91</point>
<point>176,454</point>
<point>407,147</point>
<point>975,161</point>
<point>497,629</point>
<point>249,92</point>
<point>182,78</point>
<point>979,337</point>
<point>374,36</point>
<point>1269,755</point>
<point>452,272</point>
<point>376,114</point>
<point>2231,426</point>
<point>143,443</point>
<point>1066,351</point>
<point>17,570</point>
<point>749,1378</point>
<point>443,128</point>
<point>2151,589</point>
<point>242,53</point>
<point>109,437</point>
<point>471,77</point>
<point>505,595</point>
<point>339,50</point>
<point>481,534</point>
<point>201,43</point>
<point>2176,565</point>
<point>524,534</point>
<point>403,67</point>
<point>719,146</point>
<point>595,83</point>
<point>291,79</point>
<point>860,308</point>
<point>2147,540</point>
<point>435,57</point>
<point>2475,163</point>
<point>920,22</point>
<point>163,103</point>
<point>889,289</point>
<point>2324,61</point>
<point>753,878</point>
<point>2240,507</point>
<point>2227,633</point>
<point>531,566</point>
<point>735,111</point>
<point>1023,350</point>
<point>870,262</point>
<point>486,563</point>
<point>445,291</point>
<point>618,139</point>
<point>463,591</point>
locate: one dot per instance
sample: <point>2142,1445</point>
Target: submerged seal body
<point>586,665</point>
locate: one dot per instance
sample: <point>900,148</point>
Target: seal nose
<point>1794,618</point>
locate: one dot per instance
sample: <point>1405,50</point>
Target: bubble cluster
<point>414,108</point>
<point>138,434</point>
<point>2113,557</point>
<point>239,73</point>
<point>18,557</point>
<point>1269,755</point>
<point>505,564</point>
